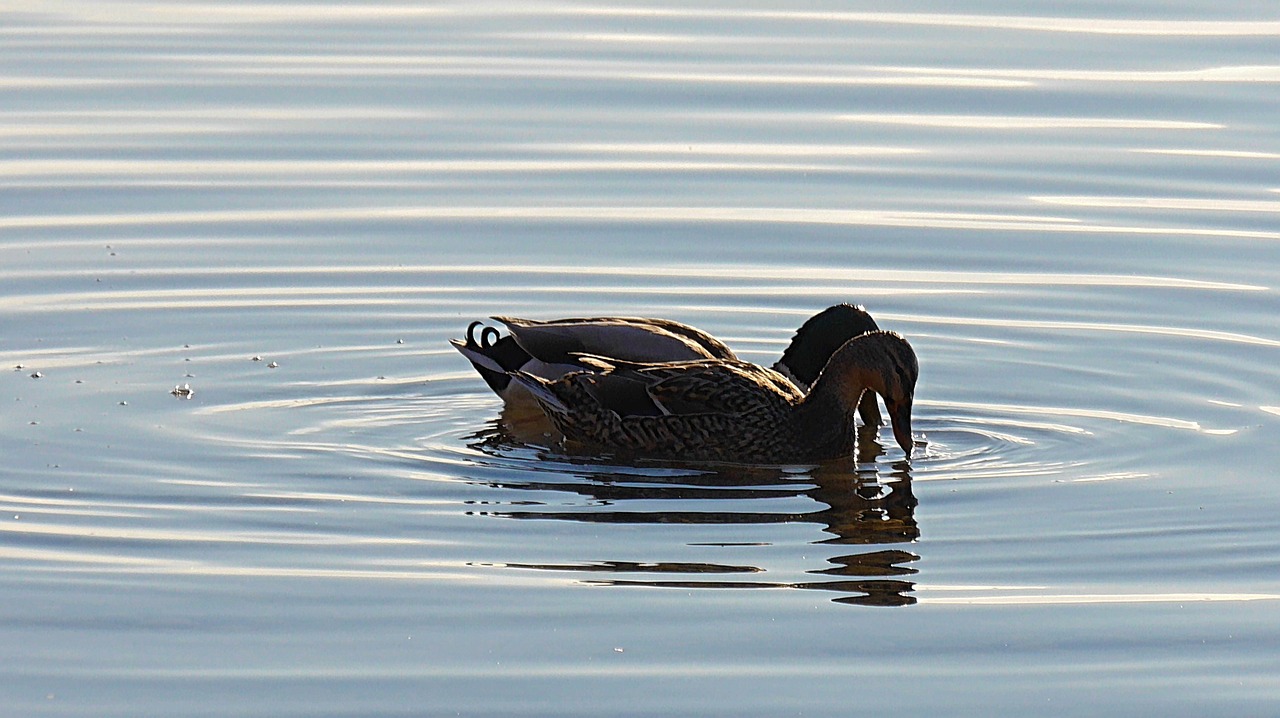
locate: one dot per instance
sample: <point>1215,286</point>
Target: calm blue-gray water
<point>1070,210</point>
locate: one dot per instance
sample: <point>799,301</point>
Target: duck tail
<point>476,356</point>
<point>492,355</point>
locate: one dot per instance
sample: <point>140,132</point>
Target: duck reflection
<point>865,505</point>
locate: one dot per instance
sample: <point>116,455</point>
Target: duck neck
<point>825,418</point>
<point>825,422</point>
<point>841,383</point>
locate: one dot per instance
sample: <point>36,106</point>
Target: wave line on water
<point>755,215</point>
<point>265,113</point>
<point>1225,154</point>
<point>141,534</point>
<point>1026,122</point>
<point>63,562</point>
<point>1105,414</point>
<point>1057,599</point>
<point>1076,25</point>
<point>1115,476</point>
<point>472,67</point>
<point>1186,203</point>
<point>202,170</point>
<point>1241,73</point>
<point>722,148</point>
<point>720,272</point>
<point>87,17</point>
<point>1183,332</point>
<point>144,13</point>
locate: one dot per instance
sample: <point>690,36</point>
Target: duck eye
<point>901,381</point>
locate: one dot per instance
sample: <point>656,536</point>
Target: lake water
<point>1071,212</point>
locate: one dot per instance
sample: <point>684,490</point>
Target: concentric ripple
<point>244,471</point>
<point>385,416</point>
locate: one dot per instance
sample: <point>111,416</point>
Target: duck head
<point>818,339</point>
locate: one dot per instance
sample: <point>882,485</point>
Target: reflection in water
<point>863,507</point>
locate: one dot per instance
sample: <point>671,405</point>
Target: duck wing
<point>687,388</point>
<point>704,410</point>
<point>632,339</point>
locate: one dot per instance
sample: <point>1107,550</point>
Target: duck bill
<point>900,416</point>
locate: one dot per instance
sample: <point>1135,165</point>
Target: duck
<point>731,411</point>
<point>553,348</point>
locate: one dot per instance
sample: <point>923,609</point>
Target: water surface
<point>291,208</point>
